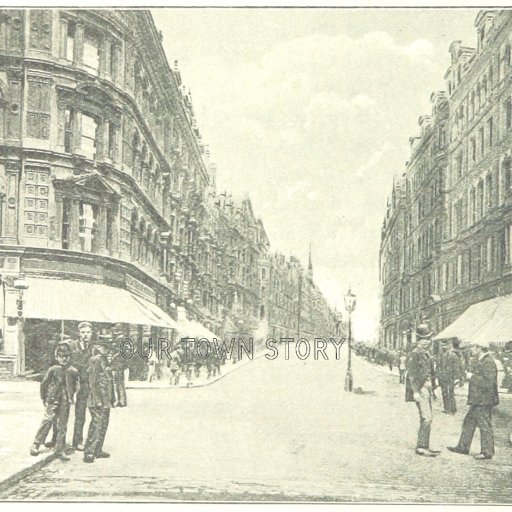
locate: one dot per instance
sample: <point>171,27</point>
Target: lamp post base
<point>348,381</point>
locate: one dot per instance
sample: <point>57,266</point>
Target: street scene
<point>362,450</point>
<point>256,255</point>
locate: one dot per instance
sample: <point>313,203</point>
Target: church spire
<point>310,263</point>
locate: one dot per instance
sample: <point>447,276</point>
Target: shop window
<point>88,219</point>
<point>88,136</point>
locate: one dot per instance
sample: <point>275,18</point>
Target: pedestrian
<point>174,367</point>
<point>57,391</point>
<point>152,362</point>
<point>80,355</point>
<point>482,397</point>
<point>448,372</point>
<point>418,388</point>
<point>401,367</point>
<point>52,344</point>
<point>118,366</point>
<point>99,402</point>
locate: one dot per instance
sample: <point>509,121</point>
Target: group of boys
<point>85,372</point>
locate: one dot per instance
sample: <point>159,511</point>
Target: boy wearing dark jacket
<point>57,391</point>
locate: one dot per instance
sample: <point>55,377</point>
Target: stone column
<point>100,246</point>
<point>115,217</point>
<point>74,225</point>
<point>58,218</point>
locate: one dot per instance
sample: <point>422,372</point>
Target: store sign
<point>139,288</point>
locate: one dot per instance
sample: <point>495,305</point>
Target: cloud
<point>316,128</point>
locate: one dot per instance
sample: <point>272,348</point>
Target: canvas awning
<point>483,323</point>
<point>192,329</point>
<point>62,299</point>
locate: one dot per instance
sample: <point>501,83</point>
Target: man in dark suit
<point>482,397</point>
<point>418,388</point>
<point>99,401</point>
<point>448,373</point>
<point>80,355</point>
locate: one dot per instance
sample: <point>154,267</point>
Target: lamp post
<point>20,285</point>
<point>350,304</point>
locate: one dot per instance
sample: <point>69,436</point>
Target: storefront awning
<point>486,322</point>
<point>192,329</point>
<point>61,299</point>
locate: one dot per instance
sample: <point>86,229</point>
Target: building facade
<point>105,180</point>
<point>471,257</point>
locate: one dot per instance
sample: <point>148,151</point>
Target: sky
<point>310,111</point>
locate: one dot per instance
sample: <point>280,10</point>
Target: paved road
<point>277,430</point>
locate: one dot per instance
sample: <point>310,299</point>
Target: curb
<point>25,472</point>
<point>166,385</point>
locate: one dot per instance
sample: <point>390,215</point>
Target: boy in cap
<point>98,402</point>
<point>81,352</point>
<point>57,390</point>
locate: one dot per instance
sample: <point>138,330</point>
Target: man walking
<point>482,397</point>
<point>99,402</point>
<point>418,388</point>
<point>448,372</point>
<point>80,355</point>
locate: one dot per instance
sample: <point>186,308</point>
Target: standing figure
<point>80,355</point>
<point>448,373</point>
<point>482,397</point>
<point>57,390</point>
<point>418,388</point>
<point>401,367</point>
<point>99,402</point>
<point>118,366</point>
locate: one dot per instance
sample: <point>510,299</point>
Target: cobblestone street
<point>258,435</point>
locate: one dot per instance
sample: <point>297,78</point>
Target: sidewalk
<point>21,411</point>
<point>201,380</point>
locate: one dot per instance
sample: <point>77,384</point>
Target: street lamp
<point>350,305</point>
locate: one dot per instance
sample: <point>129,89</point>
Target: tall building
<point>464,188</point>
<point>108,207</point>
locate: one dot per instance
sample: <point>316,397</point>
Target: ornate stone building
<point>107,194</point>
<point>470,260</point>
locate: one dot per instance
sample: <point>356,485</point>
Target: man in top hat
<point>418,388</point>
<point>81,352</point>
<point>448,373</point>
<point>482,397</point>
<point>99,400</point>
